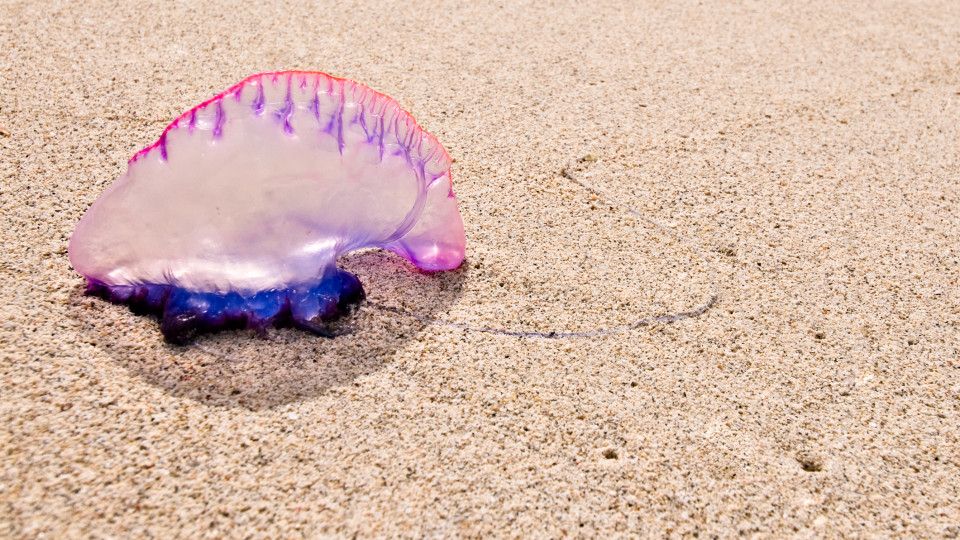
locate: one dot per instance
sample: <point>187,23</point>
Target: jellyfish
<point>235,217</point>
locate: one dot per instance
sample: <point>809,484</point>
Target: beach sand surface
<point>800,159</point>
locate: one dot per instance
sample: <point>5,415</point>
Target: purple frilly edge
<point>314,307</point>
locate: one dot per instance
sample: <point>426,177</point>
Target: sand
<point>805,154</point>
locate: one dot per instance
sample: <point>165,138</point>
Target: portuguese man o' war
<point>235,217</point>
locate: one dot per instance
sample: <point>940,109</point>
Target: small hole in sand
<point>810,464</point>
<point>610,453</point>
